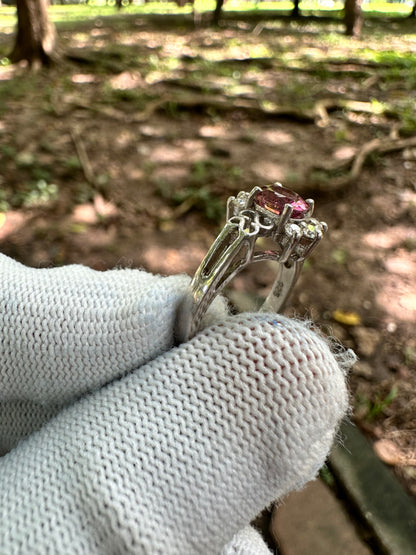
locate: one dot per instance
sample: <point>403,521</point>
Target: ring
<point>273,212</point>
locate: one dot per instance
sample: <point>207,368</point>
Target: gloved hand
<point>145,448</point>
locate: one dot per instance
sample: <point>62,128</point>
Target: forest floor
<point>125,153</point>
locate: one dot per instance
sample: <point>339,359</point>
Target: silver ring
<point>272,211</point>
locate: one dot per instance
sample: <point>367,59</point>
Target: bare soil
<point>125,154</point>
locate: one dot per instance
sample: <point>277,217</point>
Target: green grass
<point>377,406</point>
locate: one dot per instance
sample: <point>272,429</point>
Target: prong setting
<point>251,197</point>
<point>297,237</point>
<point>274,212</point>
<point>311,203</point>
<point>284,218</point>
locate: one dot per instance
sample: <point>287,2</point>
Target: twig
<point>325,105</point>
<point>119,115</point>
<point>380,146</point>
<point>83,156</point>
<point>190,101</point>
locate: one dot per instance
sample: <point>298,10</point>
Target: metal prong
<point>230,207</point>
<point>284,218</point>
<point>313,244</point>
<point>311,203</point>
<point>290,245</point>
<point>250,199</point>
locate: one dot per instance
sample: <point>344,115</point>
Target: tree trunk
<point>353,17</point>
<point>296,11</point>
<point>36,37</point>
<point>217,12</point>
<point>413,12</point>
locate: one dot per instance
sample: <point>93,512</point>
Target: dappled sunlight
<point>344,152</point>
<point>11,222</point>
<point>97,32</point>
<point>165,260</point>
<point>89,228</point>
<point>125,138</point>
<point>221,130</point>
<point>94,212</point>
<point>393,237</point>
<point>7,73</point>
<point>401,263</point>
<point>192,150</point>
<point>87,240</point>
<point>171,173</point>
<point>126,81</point>
<point>276,137</point>
<point>395,288</point>
<point>81,39</point>
<point>125,154</point>
<point>81,78</point>
<point>265,168</point>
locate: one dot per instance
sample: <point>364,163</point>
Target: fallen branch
<point>119,115</point>
<point>381,146</point>
<point>250,106</point>
<point>262,62</point>
<point>83,156</point>
<point>356,162</point>
<point>197,100</point>
<point>202,102</point>
<point>326,105</point>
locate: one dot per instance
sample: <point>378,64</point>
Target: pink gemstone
<point>274,198</point>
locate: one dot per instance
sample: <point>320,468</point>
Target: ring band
<point>273,212</point>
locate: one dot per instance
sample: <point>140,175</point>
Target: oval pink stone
<point>274,198</point>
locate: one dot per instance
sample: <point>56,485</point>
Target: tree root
<point>325,106</point>
<point>199,103</point>
<point>191,96</point>
<point>318,114</point>
<point>356,162</point>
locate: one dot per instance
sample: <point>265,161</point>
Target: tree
<point>296,10</point>
<point>36,37</point>
<point>217,12</point>
<point>353,17</point>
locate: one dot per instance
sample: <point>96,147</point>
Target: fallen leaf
<point>388,452</point>
<point>346,318</point>
<point>391,454</point>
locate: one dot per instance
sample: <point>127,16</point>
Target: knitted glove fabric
<point>247,541</point>
<point>69,330</point>
<point>180,454</point>
<point>66,331</point>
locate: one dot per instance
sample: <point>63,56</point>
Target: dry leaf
<point>346,318</point>
<point>391,454</point>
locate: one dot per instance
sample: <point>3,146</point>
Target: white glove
<point>175,454</point>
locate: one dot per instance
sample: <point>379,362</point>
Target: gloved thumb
<point>67,331</point>
<point>179,456</point>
